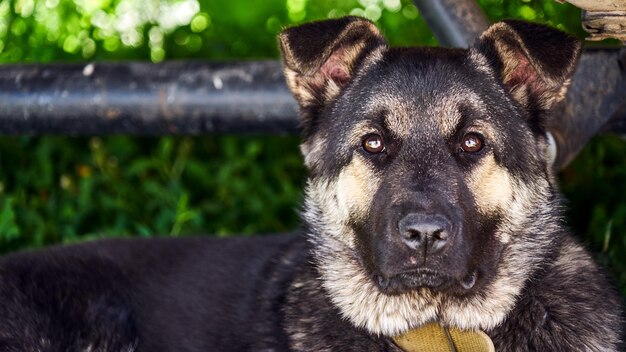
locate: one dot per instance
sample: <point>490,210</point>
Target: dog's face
<point>430,194</point>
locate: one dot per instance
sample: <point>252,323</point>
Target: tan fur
<point>300,90</point>
<point>397,117</point>
<point>356,186</point>
<point>347,197</point>
<point>491,186</point>
<point>312,149</point>
<point>446,110</point>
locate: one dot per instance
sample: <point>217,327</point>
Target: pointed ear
<point>534,62</point>
<point>320,58</point>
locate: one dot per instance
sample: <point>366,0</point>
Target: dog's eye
<point>373,143</point>
<point>472,143</point>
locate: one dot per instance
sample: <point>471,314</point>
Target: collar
<point>432,337</point>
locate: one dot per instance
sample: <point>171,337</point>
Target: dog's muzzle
<point>422,245</point>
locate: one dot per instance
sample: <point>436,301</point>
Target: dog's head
<point>431,196</point>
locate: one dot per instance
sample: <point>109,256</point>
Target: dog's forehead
<point>425,93</point>
<point>418,89</point>
<point>409,112</point>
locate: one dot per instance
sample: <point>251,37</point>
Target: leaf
<point>8,228</point>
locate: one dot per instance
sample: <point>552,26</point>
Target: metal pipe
<point>144,98</point>
<point>596,95</point>
<point>455,23</point>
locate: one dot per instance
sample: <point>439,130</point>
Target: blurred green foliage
<point>62,189</point>
<point>57,189</point>
<point>62,30</point>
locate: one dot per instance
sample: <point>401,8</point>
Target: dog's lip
<point>414,279</point>
<point>469,281</point>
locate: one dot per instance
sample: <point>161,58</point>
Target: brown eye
<point>374,144</point>
<point>472,143</point>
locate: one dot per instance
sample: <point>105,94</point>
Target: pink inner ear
<point>524,74</point>
<point>339,75</point>
<point>335,67</point>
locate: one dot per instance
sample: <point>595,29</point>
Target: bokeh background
<point>59,189</point>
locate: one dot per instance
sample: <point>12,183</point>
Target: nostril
<point>440,235</point>
<point>412,234</point>
<point>423,230</point>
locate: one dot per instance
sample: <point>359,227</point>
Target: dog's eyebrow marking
<point>395,113</point>
<point>454,111</point>
<point>473,120</point>
<point>447,113</point>
<point>398,120</point>
<point>361,129</point>
<point>486,128</point>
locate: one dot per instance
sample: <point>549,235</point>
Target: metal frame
<point>145,98</point>
<point>251,97</point>
<point>455,23</point>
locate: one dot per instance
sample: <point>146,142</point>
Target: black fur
<point>280,293</point>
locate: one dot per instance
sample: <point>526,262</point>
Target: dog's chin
<point>425,279</point>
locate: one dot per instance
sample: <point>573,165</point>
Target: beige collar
<point>432,337</point>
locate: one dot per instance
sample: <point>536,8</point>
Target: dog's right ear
<point>321,57</point>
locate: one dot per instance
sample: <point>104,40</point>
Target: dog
<point>431,201</point>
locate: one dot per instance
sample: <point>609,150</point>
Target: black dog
<point>431,204</point>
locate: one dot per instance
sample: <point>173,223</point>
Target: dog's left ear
<point>534,62</point>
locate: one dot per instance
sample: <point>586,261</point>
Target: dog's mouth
<point>424,278</point>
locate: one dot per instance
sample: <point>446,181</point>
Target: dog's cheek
<point>356,186</point>
<point>343,201</point>
<point>491,186</point>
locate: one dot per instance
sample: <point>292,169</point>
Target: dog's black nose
<point>425,231</point>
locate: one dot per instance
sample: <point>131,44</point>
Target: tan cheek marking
<point>356,186</point>
<point>491,185</point>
